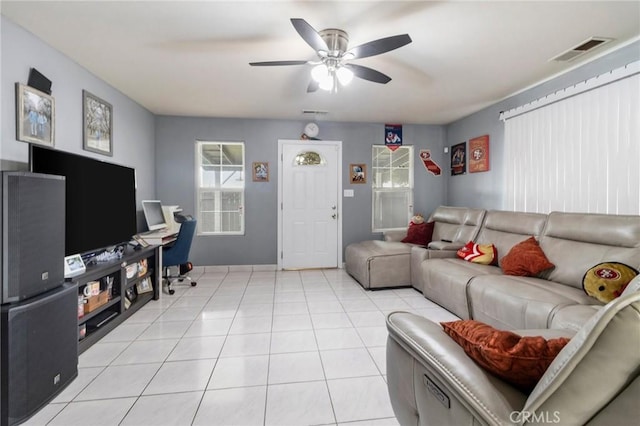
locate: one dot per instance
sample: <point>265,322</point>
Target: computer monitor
<point>153,214</point>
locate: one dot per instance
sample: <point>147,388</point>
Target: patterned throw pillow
<point>606,281</point>
<point>525,259</point>
<point>518,360</point>
<point>485,254</point>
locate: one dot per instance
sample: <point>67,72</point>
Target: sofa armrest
<point>547,333</point>
<point>418,254</point>
<point>446,245</point>
<point>442,254</point>
<point>470,391</point>
<point>395,235</point>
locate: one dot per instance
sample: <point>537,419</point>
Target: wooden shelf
<point>87,317</point>
<point>116,269</point>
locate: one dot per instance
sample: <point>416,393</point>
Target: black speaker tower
<point>33,232</point>
<point>39,352</point>
<point>38,312</point>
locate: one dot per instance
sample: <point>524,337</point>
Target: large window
<point>392,173</point>
<point>579,153</point>
<point>220,186</point>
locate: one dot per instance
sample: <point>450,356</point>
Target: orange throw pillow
<point>419,233</point>
<point>525,259</point>
<point>518,360</point>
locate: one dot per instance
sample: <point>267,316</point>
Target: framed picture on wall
<point>358,173</point>
<point>479,154</point>
<point>35,116</point>
<point>260,171</point>
<point>97,124</point>
<point>459,159</point>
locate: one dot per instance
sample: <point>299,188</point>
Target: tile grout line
<point>204,392</point>
<point>165,359</point>
<point>266,391</point>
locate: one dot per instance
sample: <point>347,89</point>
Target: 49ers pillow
<point>607,280</point>
<point>485,254</point>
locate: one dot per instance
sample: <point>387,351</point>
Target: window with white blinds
<point>392,187</point>
<point>578,154</point>
<point>220,188</point>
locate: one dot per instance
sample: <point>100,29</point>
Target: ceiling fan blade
<point>379,46</point>
<point>368,73</point>
<point>309,34</point>
<point>313,86</point>
<point>276,63</point>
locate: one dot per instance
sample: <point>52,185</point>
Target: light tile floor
<point>244,348</point>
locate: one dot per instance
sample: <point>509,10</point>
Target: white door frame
<point>337,144</point>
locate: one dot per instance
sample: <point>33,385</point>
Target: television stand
<point>110,292</point>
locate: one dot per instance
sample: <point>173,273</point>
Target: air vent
<point>314,112</point>
<point>579,50</point>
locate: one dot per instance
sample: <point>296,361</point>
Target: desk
<point>159,238</point>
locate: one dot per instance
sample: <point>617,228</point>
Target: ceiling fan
<point>332,67</point>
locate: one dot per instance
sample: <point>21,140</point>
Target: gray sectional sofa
<point>432,381</point>
<point>594,380</point>
<point>573,242</point>
<point>387,263</point>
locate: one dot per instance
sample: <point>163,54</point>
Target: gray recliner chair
<point>594,379</point>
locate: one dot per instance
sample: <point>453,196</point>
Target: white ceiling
<point>191,58</point>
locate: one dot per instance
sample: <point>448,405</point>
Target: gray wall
<point>175,159</point>
<point>133,126</point>
<point>162,149</point>
<point>486,189</point>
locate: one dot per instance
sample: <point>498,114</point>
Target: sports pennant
<point>393,136</point>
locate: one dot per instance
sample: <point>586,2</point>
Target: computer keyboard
<point>156,234</point>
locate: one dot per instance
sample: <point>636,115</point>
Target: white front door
<point>309,192</point>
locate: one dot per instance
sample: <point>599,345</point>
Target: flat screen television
<point>100,199</point>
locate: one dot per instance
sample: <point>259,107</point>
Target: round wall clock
<point>311,130</point>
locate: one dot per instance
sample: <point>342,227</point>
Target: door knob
<point>333,207</point>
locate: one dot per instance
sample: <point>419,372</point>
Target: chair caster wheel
<point>193,284</point>
<point>171,291</point>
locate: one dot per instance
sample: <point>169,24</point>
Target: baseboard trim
<point>224,269</point>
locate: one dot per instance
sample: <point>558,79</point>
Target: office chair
<point>178,255</point>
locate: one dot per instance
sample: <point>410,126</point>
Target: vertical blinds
<point>579,152</point>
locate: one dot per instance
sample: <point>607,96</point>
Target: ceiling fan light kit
<point>328,76</point>
<point>333,70</point>
<point>345,75</point>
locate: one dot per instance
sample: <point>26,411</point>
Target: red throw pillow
<point>518,360</point>
<point>485,254</point>
<point>525,259</point>
<point>419,234</point>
